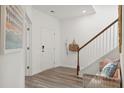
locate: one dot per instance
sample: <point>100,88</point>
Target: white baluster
<point>113,36</point>
<point>110,40</point>
<point>103,44</point>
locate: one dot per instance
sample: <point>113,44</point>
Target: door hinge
<point>28,67</point>
<point>28,29</point>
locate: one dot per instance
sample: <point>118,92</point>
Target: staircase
<point>105,43</point>
<point>98,46</point>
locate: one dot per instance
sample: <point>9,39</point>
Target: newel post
<point>78,67</point>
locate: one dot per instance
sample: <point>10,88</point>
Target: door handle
<point>28,48</point>
<point>43,47</point>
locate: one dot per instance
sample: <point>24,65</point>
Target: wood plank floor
<point>60,77</point>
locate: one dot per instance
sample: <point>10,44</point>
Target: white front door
<point>47,49</point>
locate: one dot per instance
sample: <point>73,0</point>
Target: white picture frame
<point>5,47</point>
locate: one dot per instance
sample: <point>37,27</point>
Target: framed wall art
<point>12,27</point>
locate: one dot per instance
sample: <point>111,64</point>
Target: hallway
<point>52,46</point>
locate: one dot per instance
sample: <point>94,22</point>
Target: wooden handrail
<point>105,29</point>
<point>98,34</point>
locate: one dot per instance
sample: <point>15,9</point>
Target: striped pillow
<point>109,70</point>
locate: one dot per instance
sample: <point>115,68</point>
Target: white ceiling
<point>66,11</point>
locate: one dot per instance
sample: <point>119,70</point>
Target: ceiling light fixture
<point>52,11</point>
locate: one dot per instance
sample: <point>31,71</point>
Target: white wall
<point>12,66</point>
<point>83,28</point>
<point>41,21</point>
<point>12,70</point>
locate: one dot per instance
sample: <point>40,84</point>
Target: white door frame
<point>28,66</point>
